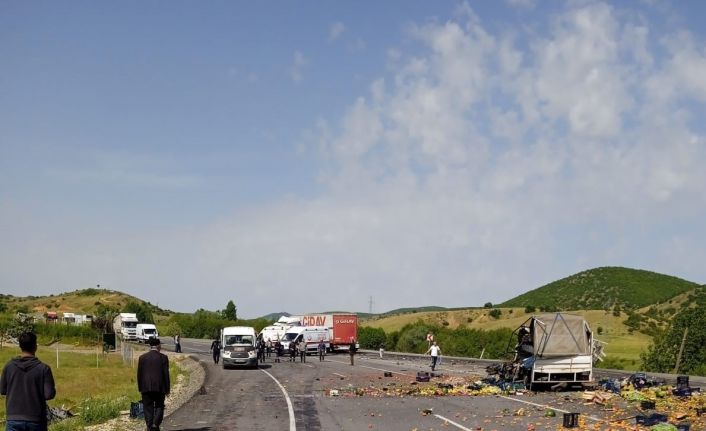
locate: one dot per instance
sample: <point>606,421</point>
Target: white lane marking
<point>593,418</point>
<point>459,426</point>
<point>373,368</point>
<point>340,375</point>
<point>292,422</point>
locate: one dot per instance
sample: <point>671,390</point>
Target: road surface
<point>298,396</point>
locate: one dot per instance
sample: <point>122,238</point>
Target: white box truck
<point>125,326</point>
<point>312,336</point>
<point>145,331</point>
<point>554,349</point>
<point>238,346</point>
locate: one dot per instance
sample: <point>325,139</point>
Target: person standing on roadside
<point>382,349</point>
<point>177,343</point>
<point>434,351</point>
<point>268,347</point>
<point>352,349</point>
<point>153,383</point>
<point>216,350</point>
<point>292,351</point>
<point>28,383</point>
<point>302,350</point>
<point>322,350</point>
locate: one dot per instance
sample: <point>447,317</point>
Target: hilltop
<point>604,288</point>
<point>84,301</point>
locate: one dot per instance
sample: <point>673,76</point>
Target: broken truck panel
<point>553,348</point>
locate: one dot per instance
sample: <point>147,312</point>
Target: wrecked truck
<point>552,349</point>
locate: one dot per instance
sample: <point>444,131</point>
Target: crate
<point>422,376</point>
<point>571,420</point>
<point>653,419</point>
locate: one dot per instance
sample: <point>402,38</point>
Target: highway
<point>297,396</point>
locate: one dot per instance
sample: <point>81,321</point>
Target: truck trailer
<point>343,328</point>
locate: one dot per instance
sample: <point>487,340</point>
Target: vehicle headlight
<point>252,354</point>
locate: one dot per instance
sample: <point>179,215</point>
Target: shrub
<point>495,313</point>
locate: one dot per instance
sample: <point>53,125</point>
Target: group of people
<point>265,350</point>
<point>28,384</point>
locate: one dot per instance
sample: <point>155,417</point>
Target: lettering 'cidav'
<point>314,321</point>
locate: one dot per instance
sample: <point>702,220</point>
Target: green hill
<point>79,301</point>
<point>603,288</point>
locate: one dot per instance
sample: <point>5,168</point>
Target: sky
<point>306,156</point>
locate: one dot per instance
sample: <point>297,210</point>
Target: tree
<point>488,305</point>
<point>231,312</point>
<point>661,356</point>
<point>371,338</point>
<point>495,313</point>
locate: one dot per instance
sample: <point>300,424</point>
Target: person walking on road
<point>435,352</point>
<point>279,351</point>
<point>302,350</point>
<point>322,350</point>
<point>382,349</point>
<point>27,383</point>
<point>177,343</point>
<point>268,347</point>
<point>261,351</point>
<point>216,350</point>
<point>153,384</point>
<point>292,351</point>
<point>352,349</point>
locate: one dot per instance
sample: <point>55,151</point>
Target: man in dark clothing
<point>292,351</point>
<point>216,349</point>
<point>322,350</point>
<point>351,349</point>
<point>153,383</point>
<point>28,384</point>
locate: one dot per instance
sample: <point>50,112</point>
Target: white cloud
<point>482,165</point>
<point>336,30</point>
<point>297,67</point>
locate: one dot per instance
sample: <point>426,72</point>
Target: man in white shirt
<point>435,352</point>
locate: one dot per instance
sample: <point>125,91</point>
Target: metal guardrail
<point>602,372</point>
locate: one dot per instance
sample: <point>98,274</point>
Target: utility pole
<point>370,306</point>
<point>681,350</point>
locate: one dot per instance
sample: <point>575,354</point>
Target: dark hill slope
<point>603,288</point>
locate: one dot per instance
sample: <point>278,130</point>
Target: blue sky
<point>304,156</point>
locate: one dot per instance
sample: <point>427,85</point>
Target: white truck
<point>276,331</point>
<point>125,326</point>
<point>554,349</point>
<point>312,336</point>
<point>238,346</point>
<point>145,331</point>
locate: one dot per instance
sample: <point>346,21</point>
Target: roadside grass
<point>94,390</point>
<point>622,347</point>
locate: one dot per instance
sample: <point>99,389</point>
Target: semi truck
<point>343,328</point>
<point>125,326</point>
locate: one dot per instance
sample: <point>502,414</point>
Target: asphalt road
<point>297,396</point>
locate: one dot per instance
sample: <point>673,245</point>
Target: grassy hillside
<point>623,346</point>
<point>603,288</point>
<point>79,301</point>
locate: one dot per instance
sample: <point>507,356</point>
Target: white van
<point>145,331</point>
<point>238,346</point>
<point>312,335</point>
